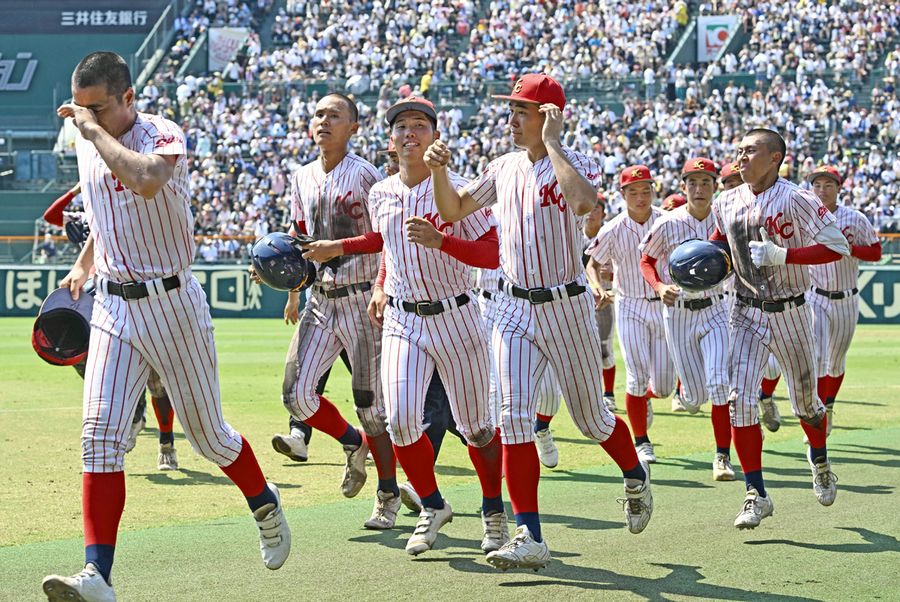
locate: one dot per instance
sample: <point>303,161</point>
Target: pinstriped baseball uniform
<point>698,338</point>
<point>541,243</point>
<point>453,342</point>
<point>334,206</point>
<point>139,239</point>
<point>792,217</point>
<point>606,317</point>
<point>639,321</point>
<point>834,320</point>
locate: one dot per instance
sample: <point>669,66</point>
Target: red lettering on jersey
<point>785,230</point>
<point>119,187</point>
<point>821,210</point>
<point>435,220</point>
<point>848,234</point>
<point>550,195</point>
<point>164,141</point>
<point>344,206</point>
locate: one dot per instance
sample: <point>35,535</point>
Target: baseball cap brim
<point>402,107</point>
<point>514,98</point>
<point>822,174</point>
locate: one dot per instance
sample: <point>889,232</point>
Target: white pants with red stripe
<point>455,344</point>
<point>642,337</point>
<point>788,335</point>
<point>772,369</point>
<point>173,334</point>
<point>698,340</point>
<point>562,335</point>
<point>834,322</point>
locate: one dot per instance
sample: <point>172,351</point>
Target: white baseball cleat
<point>136,428</point>
<point>496,531</point>
<point>86,586</point>
<point>756,508</point>
<point>610,402</point>
<point>384,514</point>
<point>293,446</point>
<point>678,404</point>
<point>824,482</point>
<point>425,533</point>
<point>649,412</point>
<point>274,532</point>
<point>546,448</point>
<point>355,469</point>
<point>769,414</point>
<point>520,552</point>
<point>167,459</point>
<point>410,498</point>
<point>638,503</point>
<point>722,469</point>
<point>645,452</point>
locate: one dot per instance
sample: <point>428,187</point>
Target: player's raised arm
<point>578,192</point>
<point>452,204</point>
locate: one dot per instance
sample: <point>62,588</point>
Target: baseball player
<point>149,312</point>
<point>544,316</point>
<point>423,304</point>
<point>639,315</point>
<point>696,325</point>
<point>834,296</point>
<point>775,230</point>
<point>670,203</point>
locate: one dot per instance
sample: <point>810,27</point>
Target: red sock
<point>678,386</point>
<point>488,463</point>
<point>383,454</point>
<point>609,379</point>
<point>523,472</point>
<point>417,461</point>
<point>328,419</point>
<point>245,472</point>
<point>636,409</point>
<point>543,418</point>
<point>748,444</point>
<point>162,407</point>
<point>836,382</point>
<point>823,385</point>
<point>102,502</point>
<point>721,423</point>
<point>620,447</point>
<point>815,435</point>
<point>768,386</point>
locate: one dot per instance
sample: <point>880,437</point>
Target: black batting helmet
<point>698,265</point>
<point>62,329</point>
<point>278,260</point>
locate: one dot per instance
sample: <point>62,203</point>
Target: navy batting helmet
<point>278,261</point>
<point>698,265</point>
<point>62,329</point>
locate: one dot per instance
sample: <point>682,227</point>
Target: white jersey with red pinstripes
<point>792,217</point>
<point>617,244</point>
<point>666,234</point>
<point>541,238</point>
<point>843,275</point>
<point>415,272</point>
<point>335,205</point>
<point>137,238</point>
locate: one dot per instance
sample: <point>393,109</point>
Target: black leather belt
<point>344,291</point>
<point>487,295</point>
<point>651,298</point>
<point>773,306</point>
<point>428,308</point>
<point>697,304</point>
<point>131,291</point>
<point>836,294</point>
<point>536,296</point>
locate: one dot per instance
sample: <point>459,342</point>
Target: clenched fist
<point>437,155</point>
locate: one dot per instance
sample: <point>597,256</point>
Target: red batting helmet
<point>62,329</point>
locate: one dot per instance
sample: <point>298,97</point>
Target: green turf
<point>188,535</point>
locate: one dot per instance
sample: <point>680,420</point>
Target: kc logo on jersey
<point>784,230</point>
<point>550,195</point>
<point>435,220</point>
<point>344,205</point>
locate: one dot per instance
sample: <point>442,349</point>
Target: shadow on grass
<point>453,471</point>
<point>168,477</point>
<point>583,477</point>
<point>875,543</point>
<point>874,404</point>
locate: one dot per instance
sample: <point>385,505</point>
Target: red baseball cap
<point>827,171</point>
<point>411,103</point>
<point>537,88</point>
<point>699,165</point>
<point>634,174</point>
<point>673,201</point>
<point>729,170</point>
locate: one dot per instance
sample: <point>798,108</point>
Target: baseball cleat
<point>610,402</point>
<point>86,586</point>
<point>678,404</point>
<point>722,469</point>
<point>824,481</point>
<point>754,510</point>
<point>167,459</point>
<point>274,532</point>
<point>645,452</point>
<point>546,448</point>
<point>769,414</point>
<point>136,428</point>
<point>384,514</point>
<point>355,470</point>
<point>425,533</point>
<point>520,552</point>
<point>496,531</point>
<point>638,503</point>
<point>410,498</point>
<point>293,446</point>
<point>649,412</point>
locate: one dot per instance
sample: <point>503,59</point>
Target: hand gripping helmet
<point>278,261</point>
<point>62,329</point>
<point>699,265</point>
